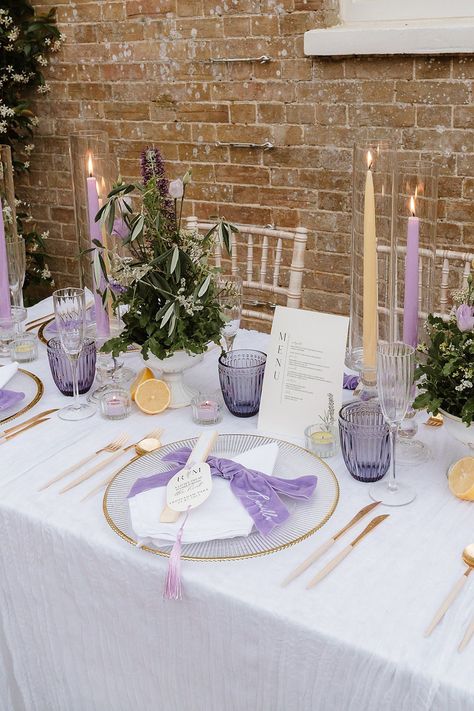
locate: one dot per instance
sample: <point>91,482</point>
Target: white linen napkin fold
<point>220,516</point>
<point>7,373</point>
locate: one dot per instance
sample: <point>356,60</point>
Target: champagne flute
<point>16,257</point>
<point>70,314</point>
<point>230,301</point>
<point>395,372</point>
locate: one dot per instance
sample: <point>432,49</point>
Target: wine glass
<point>16,256</point>
<point>70,314</point>
<point>395,372</point>
<point>230,301</point>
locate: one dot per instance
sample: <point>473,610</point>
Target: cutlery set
<point>12,432</point>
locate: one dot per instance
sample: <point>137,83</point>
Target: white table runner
<point>83,626</point>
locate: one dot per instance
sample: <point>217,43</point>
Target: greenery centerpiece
<point>165,285</point>
<point>446,375</point>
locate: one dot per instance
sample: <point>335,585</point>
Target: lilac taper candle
<point>410,305</point>
<point>4,282</point>
<point>101,317</point>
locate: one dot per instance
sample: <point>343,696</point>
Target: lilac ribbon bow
<point>257,492</point>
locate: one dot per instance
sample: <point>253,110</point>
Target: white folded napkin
<point>7,373</point>
<point>220,516</point>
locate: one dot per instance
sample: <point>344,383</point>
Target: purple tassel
<point>173,587</point>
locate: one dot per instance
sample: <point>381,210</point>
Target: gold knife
<point>345,551</point>
<point>325,546</point>
<point>28,427</point>
<point>20,426</point>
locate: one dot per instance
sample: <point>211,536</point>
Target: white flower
<point>26,164</point>
<point>3,126</point>
<point>176,189</point>
<point>42,60</point>
<point>45,234</point>
<point>43,89</point>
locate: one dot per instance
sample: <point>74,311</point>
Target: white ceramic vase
<point>172,371</point>
<point>458,429</point>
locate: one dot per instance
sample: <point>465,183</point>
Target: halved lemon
<point>145,374</point>
<point>152,396</point>
<point>461,479</point>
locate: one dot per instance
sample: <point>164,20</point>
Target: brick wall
<point>141,70</point>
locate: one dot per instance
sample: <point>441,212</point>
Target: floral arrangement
<point>166,287</point>
<point>26,41</point>
<point>446,375</point>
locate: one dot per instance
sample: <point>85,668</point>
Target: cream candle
<point>410,304</point>
<point>4,282</point>
<point>101,317</point>
<point>369,331</point>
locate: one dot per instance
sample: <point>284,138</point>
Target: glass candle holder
<point>61,367</point>
<point>241,378</point>
<point>365,440</point>
<point>321,440</point>
<point>206,408</point>
<point>10,327</point>
<point>373,255</point>
<point>115,403</point>
<point>24,348</point>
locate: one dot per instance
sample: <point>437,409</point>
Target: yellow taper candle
<point>369,329</point>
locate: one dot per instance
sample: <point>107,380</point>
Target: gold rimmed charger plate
<point>43,339</point>
<point>33,399</point>
<point>306,517</point>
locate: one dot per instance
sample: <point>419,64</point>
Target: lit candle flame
<point>89,165</point>
<point>412,206</point>
<point>369,160</point>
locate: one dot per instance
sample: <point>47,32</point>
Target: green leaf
<point>204,286</point>
<point>137,228</point>
<point>174,259</point>
<point>167,315</point>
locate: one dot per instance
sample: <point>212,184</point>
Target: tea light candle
<point>206,409</point>
<point>24,348</point>
<point>115,404</point>
<point>322,437</point>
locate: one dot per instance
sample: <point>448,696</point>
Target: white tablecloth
<point>84,626</point>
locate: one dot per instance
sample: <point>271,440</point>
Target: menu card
<point>305,364</point>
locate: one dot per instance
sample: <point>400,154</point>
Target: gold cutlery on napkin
<point>20,425</point>
<point>467,637</point>
<point>154,434</point>
<point>112,446</point>
<point>146,445</point>
<point>468,558</point>
<point>325,546</point>
<point>23,429</point>
<point>345,551</point>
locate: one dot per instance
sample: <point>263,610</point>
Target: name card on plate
<point>305,363</point>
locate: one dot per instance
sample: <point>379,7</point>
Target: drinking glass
<point>61,367</point>
<point>230,301</point>
<point>70,314</point>
<point>241,378</point>
<point>16,256</point>
<point>365,440</point>
<point>395,371</point>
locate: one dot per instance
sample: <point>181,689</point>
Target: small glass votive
<point>24,347</point>
<point>206,408</point>
<point>115,403</point>
<point>10,327</point>
<point>321,440</point>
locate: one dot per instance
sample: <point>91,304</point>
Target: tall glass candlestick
<point>370,274</point>
<point>412,259</point>
<point>101,317</point>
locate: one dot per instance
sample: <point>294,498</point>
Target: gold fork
<point>112,446</point>
<point>154,434</point>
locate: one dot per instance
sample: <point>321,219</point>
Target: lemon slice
<point>461,478</point>
<point>145,374</point>
<point>152,396</point>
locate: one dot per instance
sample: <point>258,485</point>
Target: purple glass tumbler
<point>365,440</point>
<point>61,368</point>
<point>241,377</point>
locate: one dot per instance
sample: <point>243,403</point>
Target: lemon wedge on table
<point>144,374</point>
<point>461,479</point>
<point>152,396</point>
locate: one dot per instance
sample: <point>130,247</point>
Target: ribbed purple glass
<point>61,368</point>
<point>365,440</point>
<point>241,377</point>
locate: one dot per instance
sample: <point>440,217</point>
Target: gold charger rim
<point>37,397</point>
<point>220,559</point>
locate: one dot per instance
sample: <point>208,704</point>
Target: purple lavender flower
<point>152,166</point>
<point>465,317</point>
